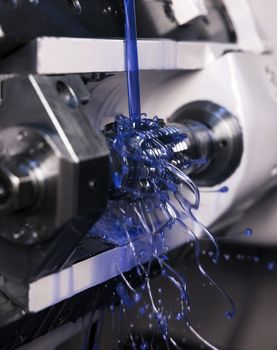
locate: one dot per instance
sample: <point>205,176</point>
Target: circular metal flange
<point>27,186</point>
<point>227,139</point>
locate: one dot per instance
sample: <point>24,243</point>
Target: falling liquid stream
<point>152,210</point>
<point>131,59</point>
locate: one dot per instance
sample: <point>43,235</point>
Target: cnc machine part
<point>206,20</point>
<point>226,145</point>
<point>248,93</point>
<point>208,147</point>
<point>73,18</point>
<point>53,38</point>
<point>53,176</point>
<point>49,109</point>
<point>27,180</point>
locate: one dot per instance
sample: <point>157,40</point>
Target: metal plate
<point>70,55</point>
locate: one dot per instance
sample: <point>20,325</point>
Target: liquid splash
<point>150,196</point>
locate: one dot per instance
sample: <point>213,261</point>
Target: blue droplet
<point>230,314</point>
<point>226,257</point>
<point>248,232</point>
<point>224,189</point>
<point>144,346</point>
<point>137,297</point>
<point>271,266</point>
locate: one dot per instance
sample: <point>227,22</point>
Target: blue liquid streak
<point>131,59</point>
<point>146,210</point>
<point>138,212</point>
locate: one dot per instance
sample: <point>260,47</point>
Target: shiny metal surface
<point>48,55</point>
<point>226,140</point>
<point>28,166</point>
<point>55,166</point>
<point>243,83</point>
<point>205,30</point>
<point>68,177</point>
<point>210,148</point>
<point>93,271</point>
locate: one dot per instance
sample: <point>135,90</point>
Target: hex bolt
<point>18,186</point>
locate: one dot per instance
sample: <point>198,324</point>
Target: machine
<point>208,71</point>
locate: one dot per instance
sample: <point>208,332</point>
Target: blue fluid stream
<point>157,196</point>
<point>131,59</point>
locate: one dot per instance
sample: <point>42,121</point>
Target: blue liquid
<point>223,189</point>
<point>131,59</point>
<point>248,232</point>
<point>144,206</point>
<point>152,214</point>
<point>271,266</point>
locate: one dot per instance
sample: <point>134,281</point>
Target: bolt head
<point>17,186</point>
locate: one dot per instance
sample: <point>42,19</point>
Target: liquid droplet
<point>248,232</point>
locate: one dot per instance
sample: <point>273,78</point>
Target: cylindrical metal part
<point>207,148</point>
<point>226,142</point>
<point>188,146</point>
<point>19,186</point>
<point>196,148</point>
